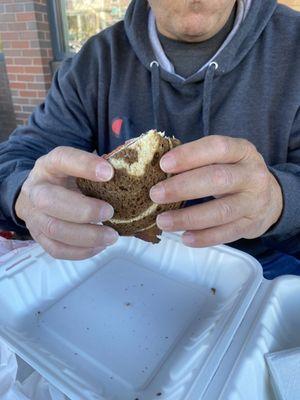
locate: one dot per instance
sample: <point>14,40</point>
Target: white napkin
<point>35,387</point>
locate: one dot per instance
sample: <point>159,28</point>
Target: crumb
<point>158,394</point>
<point>87,329</point>
<point>166,337</point>
<point>111,377</point>
<point>64,307</point>
<point>75,354</point>
<point>127,304</point>
<point>213,290</point>
<point>38,313</point>
<point>142,284</point>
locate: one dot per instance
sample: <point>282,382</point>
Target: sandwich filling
<point>152,209</point>
<point>145,147</point>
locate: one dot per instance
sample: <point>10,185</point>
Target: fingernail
<point>106,213</point>
<point>167,162</point>
<point>164,221</point>
<point>157,193</point>
<point>104,172</point>
<point>110,237</point>
<point>188,238</point>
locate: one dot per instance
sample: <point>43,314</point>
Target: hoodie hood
<point>252,18</point>
<point>241,12</point>
<point>256,15</point>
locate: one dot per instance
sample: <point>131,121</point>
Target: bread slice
<point>137,169</point>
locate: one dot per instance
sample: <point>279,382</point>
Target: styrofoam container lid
<point>137,321</point>
<point>271,325</point>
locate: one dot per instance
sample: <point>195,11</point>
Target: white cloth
<point>34,387</point>
<point>12,245</point>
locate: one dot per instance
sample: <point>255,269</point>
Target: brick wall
<point>7,115</point>
<point>292,3</point>
<point>27,47</point>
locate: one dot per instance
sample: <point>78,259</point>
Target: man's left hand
<point>247,198</point>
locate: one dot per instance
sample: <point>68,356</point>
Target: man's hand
<point>60,218</point>
<point>248,199</point>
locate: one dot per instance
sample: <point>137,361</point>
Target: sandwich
<point>137,169</point>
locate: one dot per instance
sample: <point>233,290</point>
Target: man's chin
<point>188,29</point>
<point>192,36</point>
<point>195,28</point>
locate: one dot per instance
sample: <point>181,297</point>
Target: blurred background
<point>35,36</point>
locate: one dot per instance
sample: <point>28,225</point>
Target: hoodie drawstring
<point>207,93</point>
<point>155,91</point>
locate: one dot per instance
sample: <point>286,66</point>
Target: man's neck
<point>218,38</point>
<point>188,58</point>
<point>181,37</point>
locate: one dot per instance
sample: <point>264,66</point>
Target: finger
<point>219,235</point>
<point>201,216</point>
<point>211,180</point>
<point>81,235</point>
<point>65,252</point>
<point>68,161</point>
<point>212,149</point>
<point>67,205</point>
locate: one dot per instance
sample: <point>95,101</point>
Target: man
<point>220,75</point>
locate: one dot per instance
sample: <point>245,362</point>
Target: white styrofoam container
<point>284,370</point>
<point>272,324</point>
<point>143,322</point>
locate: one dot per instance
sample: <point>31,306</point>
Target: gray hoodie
<point>114,89</point>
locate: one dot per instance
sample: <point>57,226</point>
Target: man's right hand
<point>61,219</point>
